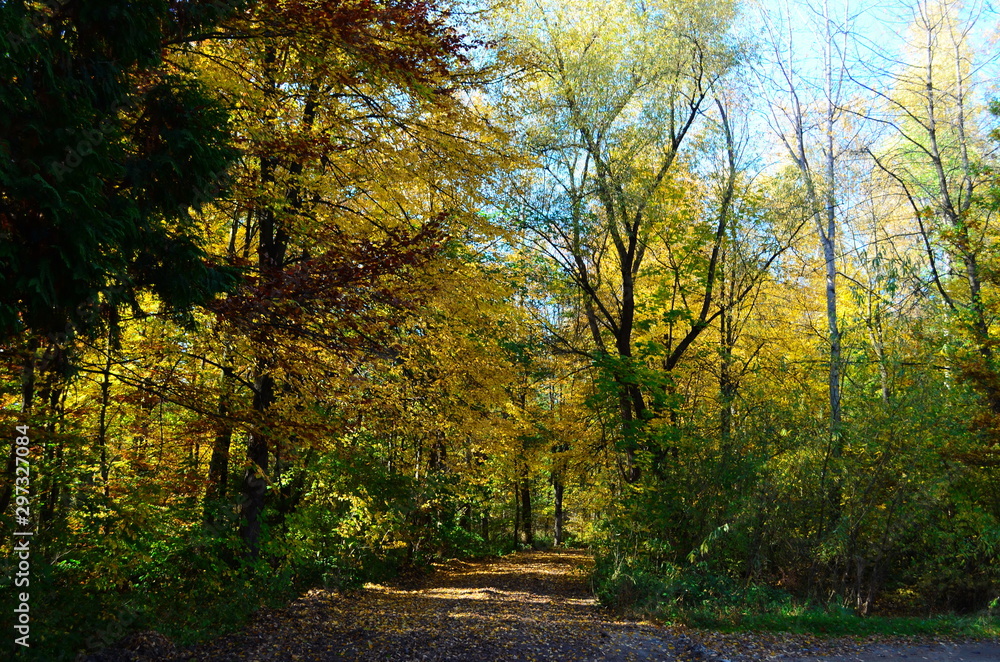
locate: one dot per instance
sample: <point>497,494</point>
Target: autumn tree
<point>611,99</point>
<point>362,161</point>
<point>939,161</point>
<point>807,119</point>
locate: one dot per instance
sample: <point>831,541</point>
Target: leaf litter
<point>530,607</point>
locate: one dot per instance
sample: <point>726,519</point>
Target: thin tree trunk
<point>821,196</point>
<point>465,521</point>
<point>527,525</point>
<point>557,486</point>
<point>270,256</point>
<point>218,467</point>
<point>517,515</point>
<point>254,485</point>
<point>828,235</point>
<point>52,455</point>
<point>727,386</point>
<point>829,239</point>
<point>877,336</point>
<point>102,422</point>
<point>27,400</point>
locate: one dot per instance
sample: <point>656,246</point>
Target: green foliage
<point>105,150</point>
<point>742,533</point>
<point>835,621</point>
<point>698,597</point>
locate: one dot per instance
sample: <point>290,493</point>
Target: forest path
<point>531,606</point>
<point>528,606</point>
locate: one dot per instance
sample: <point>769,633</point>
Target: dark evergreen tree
<point>104,149</point>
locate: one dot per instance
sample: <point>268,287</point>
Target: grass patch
<point>839,622</point>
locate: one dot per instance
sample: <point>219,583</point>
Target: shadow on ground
<point>531,606</point>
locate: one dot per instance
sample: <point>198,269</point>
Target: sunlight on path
<point>532,606</point>
<point>529,606</point>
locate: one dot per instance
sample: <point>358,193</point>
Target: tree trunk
<point>465,521</point>
<point>527,525</point>
<point>102,423</point>
<point>53,392</point>
<point>828,236</point>
<point>517,515</point>
<point>557,487</point>
<point>877,336</point>
<point>272,242</point>
<point>254,485</point>
<point>27,400</point>
<point>218,466</point>
<point>820,185</point>
<point>727,383</point>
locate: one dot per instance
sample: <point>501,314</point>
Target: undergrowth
<point>698,598</point>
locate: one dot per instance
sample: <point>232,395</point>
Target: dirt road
<point>529,607</point>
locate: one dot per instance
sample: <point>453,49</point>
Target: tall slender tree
<point>612,98</point>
